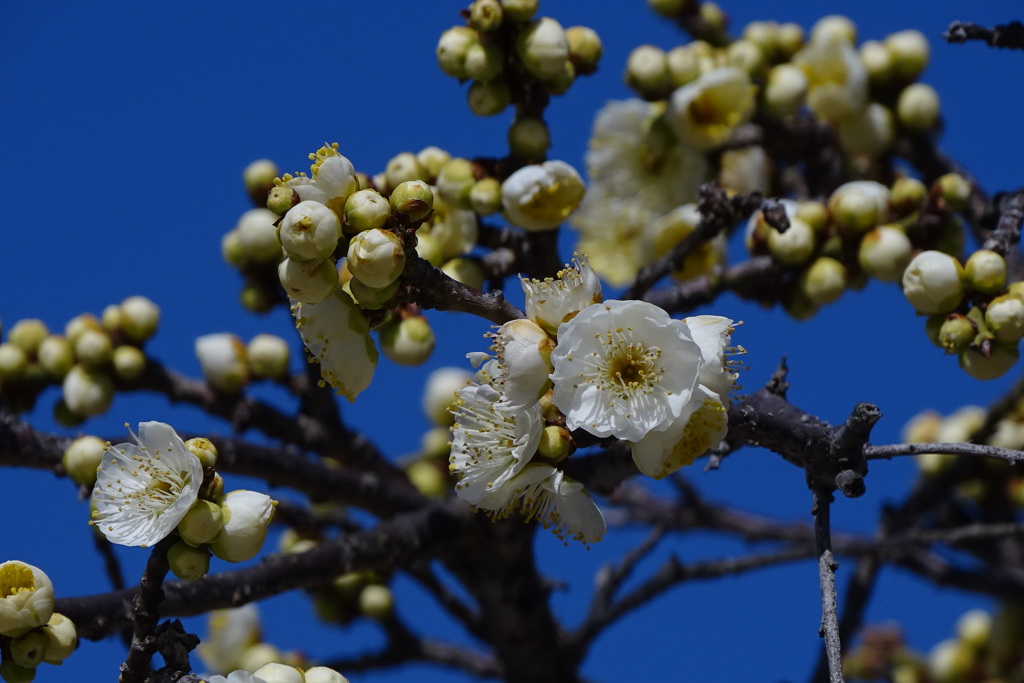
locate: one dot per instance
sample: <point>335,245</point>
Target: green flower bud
<point>465,270</point>
<point>985,272</point>
<point>429,248</point>
<point>376,602</point>
<point>258,178</point>
<point>956,333</point>
<point>321,674</point>
<point>371,298</point>
<point>528,138</point>
<point>187,562</point>
<point>713,15</point>
<point>541,196</point>
<point>82,458</point>
<point>403,167</point>
<point>13,673</point>
<point>456,181</point>
<point>555,443</point>
<point>203,449</point>
<point>667,8</point>
<point>955,190</point>
<point>310,231</point>
<point>308,281</point>
<point>268,357</point>
<point>409,341</point>
<point>933,282</point>
<point>94,348</point>
<point>63,416</point>
<point>488,98</point>
<point>543,48</point>
<point>55,355</point>
<point>110,319</point>
<point>273,672</point>
<point>87,391</point>
<point>908,194</point>
<point>974,628</point>
<point>376,257</point>
<point>435,444</point>
<point>61,639</point>
<point>79,324</point>
<point>585,48</point>
<point>884,253</point>
<point>877,60</point>
<point>745,55</point>
<point>201,523</point>
<point>452,48</point>
<point>860,205</point>
<point>484,62</point>
<point>815,214</point>
<point>868,132</point>
<point>28,650</point>
<point>280,199</point>
<point>832,27</point>
<point>996,364</point>
<point>257,296</point>
<point>918,107</point>
<point>413,198</point>
<point>439,394</point>
<point>794,246</point>
<point>909,53</point>
<point>684,65</point>
<point>230,250</point>
<point>257,655</point>
<point>222,359</point>
<point>1004,317</point>
<point>647,71</point>
<point>785,90</point>
<point>432,159</point>
<point>428,478</point>
<point>789,38</point>
<point>28,334</point>
<point>486,15</point>
<point>140,316</point>
<point>485,197</point>
<point>257,236</point>
<point>520,10</point>
<point>824,281</point>
<point>366,210</point>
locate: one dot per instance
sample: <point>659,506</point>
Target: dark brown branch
<point>433,289</point>
<point>1009,35</point>
<point>758,278</point>
<point>145,615</point>
<point>827,566</point>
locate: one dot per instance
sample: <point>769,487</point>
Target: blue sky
<point>127,129</point>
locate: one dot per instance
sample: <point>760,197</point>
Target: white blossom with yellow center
<point>541,196</point>
<point>704,113</point>
<point>26,598</point>
<point>624,369</point>
<point>142,491</point>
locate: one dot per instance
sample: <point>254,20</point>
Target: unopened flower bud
<point>918,107</point>
<point>258,178</point>
<point>832,27</point>
<point>789,38</point>
<point>555,443</point>
<point>140,316</point>
<point>877,60</point>
<point>87,391</point>
<point>201,523</point>
<point>212,488</point>
<point>824,280</point>
<point>955,190</point>
<point>376,602</point>
<point>203,449</point>
<point>456,181</point>
<point>435,444</point>
<point>26,601</point>
<point>94,348</point>
<point>427,478</point>
<point>956,333</point>
<point>376,257</point>
<point>884,253</point>
<point>585,48</point>
<point>933,282</point>
<point>257,236</point>
<point>485,197</point>
<point>1004,317</point>
<point>310,231</point>
<point>859,205</point>
<point>256,655</point>
<point>273,672</point>
<point>541,196</point>
<point>246,517</point>
<point>268,357</point>
<point>13,673</point>
<point>429,248</point>
<point>61,639</point>
<point>647,71</point>
<point>308,281</point>
<point>528,138</point>
<point>403,167</point>
<point>222,358</point>
<point>974,628</point>
<point>257,296</point>
<point>28,650</point>
<point>440,393</point>
<point>409,341</point>
<point>321,674</point>
<point>465,270</point>
<point>985,272</point>
<point>487,98</point>
<point>414,198</point>
<point>230,249</point>
<point>667,8</point>
<point>486,15</point>
<point>452,48</point>
<point>746,55</point>
<point>794,246</point>
<point>785,90</point>
<point>28,334</point>
<point>543,48</point>
<point>79,324</point>
<point>371,298</point>
<point>187,562</point>
<point>484,62</point>
<point>908,194</point>
<point>111,317</point>
<point>82,458</point>
<point>909,53</point>
<point>984,367</point>
<point>520,10</point>
<point>55,355</point>
<point>869,131</point>
<point>366,210</point>
<point>13,362</point>
<point>279,200</point>
<point>432,159</point>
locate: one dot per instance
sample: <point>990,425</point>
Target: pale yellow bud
<point>409,341</point>
<point>82,458</point>
<point>308,281</point>
<point>268,357</point>
<point>824,281</point>
<point>528,138</point>
<point>129,363</point>
<point>985,272</point>
<point>187,562</point>
<point>201,523</point>
<point>28,334</point>
<point>366,210</point>
<point>488,98</point>
<point>376,602</point>
<point>918,107</point>
<point>61,639</point>
<point>56,356</point>
<point>543,48</point>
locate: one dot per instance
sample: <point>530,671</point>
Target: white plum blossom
<point>338,337</point>
<point>551,301</point>
<point>705,112</point>
<point>523,353</point>
<point>624,369</point>
<point>26,598</point>
<point>231,632</point>
<point>143,490</point>
<point>541,196</point>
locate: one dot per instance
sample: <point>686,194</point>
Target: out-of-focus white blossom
<point>542,196</point>
<point>26,598</point>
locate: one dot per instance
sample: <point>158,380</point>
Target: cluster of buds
<point>228,363</point>
<point>354,595</point>
<point>31,633</point>
<point>273,672</point>
<point>512,57</point>
<point>163,486</point>
<point>92,358</point>
<point>234,641</point>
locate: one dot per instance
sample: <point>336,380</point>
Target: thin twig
<point>827,577</point>
<point>973,449</point>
